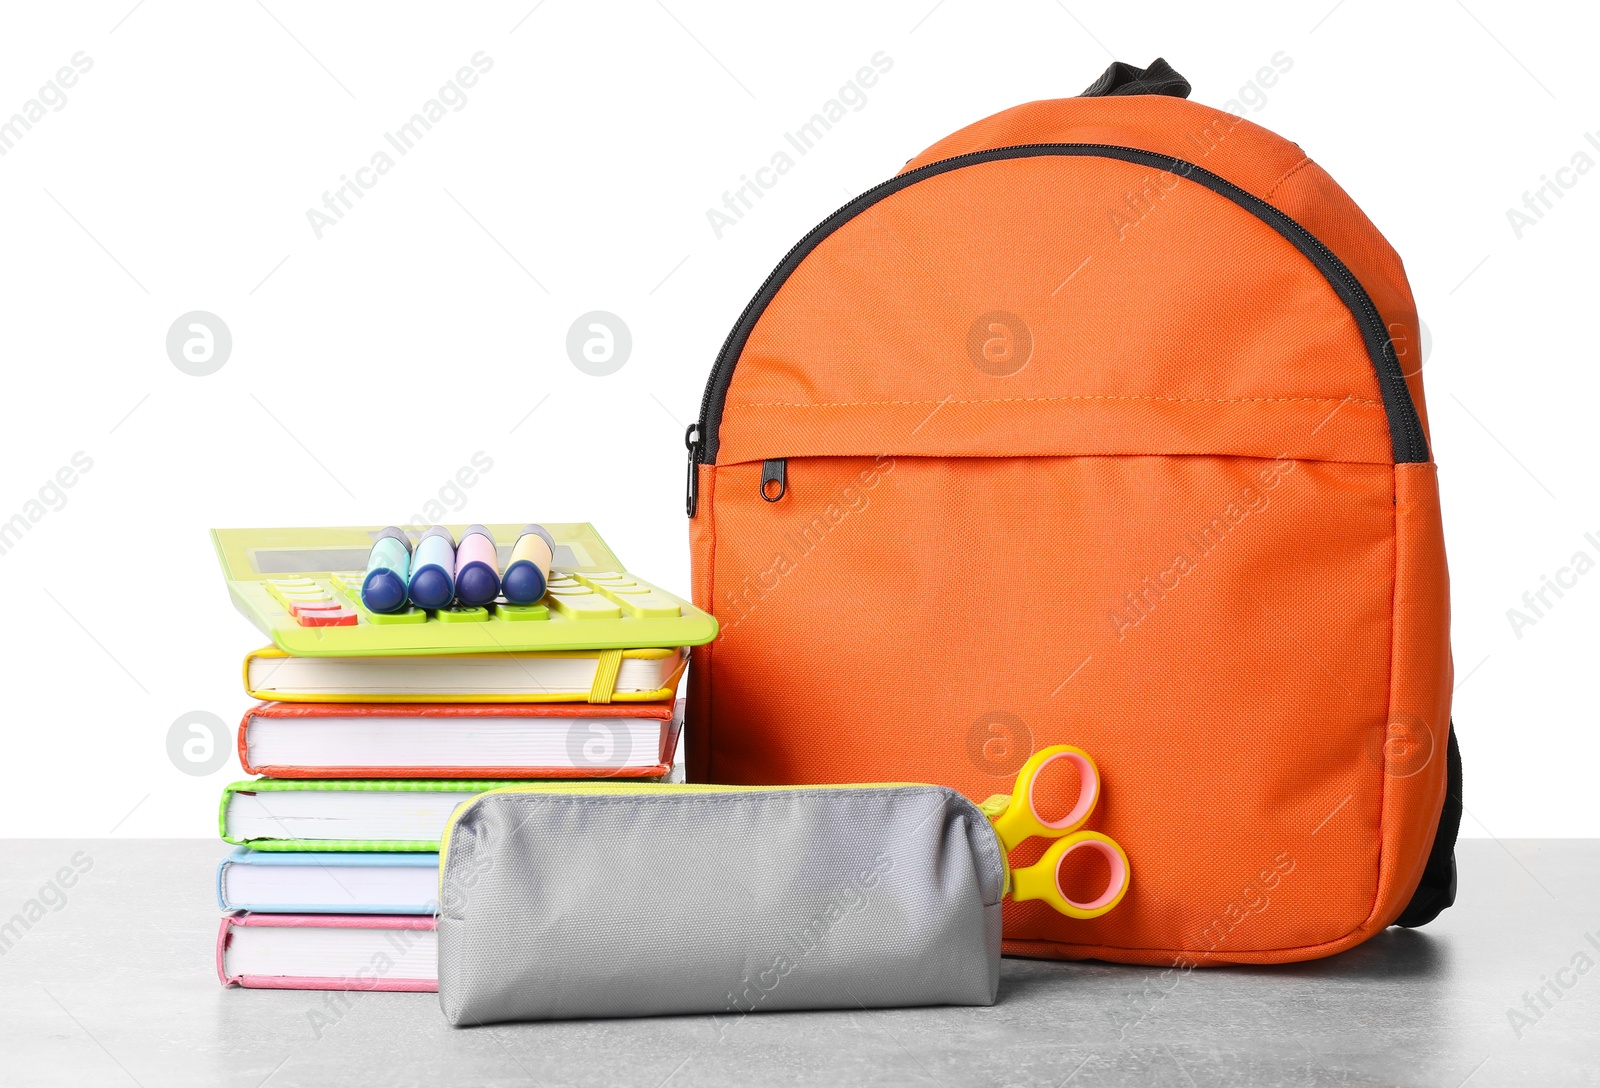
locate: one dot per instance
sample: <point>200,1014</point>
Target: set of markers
<point>440,571</point>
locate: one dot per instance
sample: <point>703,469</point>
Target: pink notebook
<point>328,952</point>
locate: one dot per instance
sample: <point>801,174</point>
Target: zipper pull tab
<point>691,439</point>
<point>774,479</point>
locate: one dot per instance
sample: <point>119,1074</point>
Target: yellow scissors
<point>1016,819</point>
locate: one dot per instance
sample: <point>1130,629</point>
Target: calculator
<point>302,588</point>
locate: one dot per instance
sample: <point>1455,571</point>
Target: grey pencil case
<point>573,900</point>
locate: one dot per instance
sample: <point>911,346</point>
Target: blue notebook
<point>282,883</point>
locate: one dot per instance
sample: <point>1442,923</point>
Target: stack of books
<point>334,884</point>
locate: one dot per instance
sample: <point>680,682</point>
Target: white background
<point>370,365</point>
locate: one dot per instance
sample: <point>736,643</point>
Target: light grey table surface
<point>117,987</point>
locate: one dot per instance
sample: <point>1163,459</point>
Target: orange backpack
<point>1100,423</point>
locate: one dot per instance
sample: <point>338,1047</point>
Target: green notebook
<point>376,815</point>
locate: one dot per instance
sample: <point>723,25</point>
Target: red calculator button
<point>327,617</point>
<point>323,604</point>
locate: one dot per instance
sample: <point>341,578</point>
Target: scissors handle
<point>1042,880</point>
<point>1020,818</point>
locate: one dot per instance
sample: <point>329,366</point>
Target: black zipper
<point>774,479</point>
<point>691,440</point>
<point>1405,427</point>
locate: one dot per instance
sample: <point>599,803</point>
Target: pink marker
<point>477,567</point>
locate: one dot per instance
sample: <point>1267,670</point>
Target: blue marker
<point>529,568</point>
<point>477,567</point>
<point>383,589</point>
<point>433,569</point>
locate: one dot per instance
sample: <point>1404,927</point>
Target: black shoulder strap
<point>1123,78</point>
<point>1438,887</point>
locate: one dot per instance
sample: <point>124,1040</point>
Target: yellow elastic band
<point>606,667</point>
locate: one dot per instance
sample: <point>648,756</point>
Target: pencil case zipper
<point>637,789</point>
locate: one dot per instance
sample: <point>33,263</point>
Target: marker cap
<point>433,569</point>
<point>477,567</point>
<point>529,570</point>
<point>383,587</point>
<point>383,590</point>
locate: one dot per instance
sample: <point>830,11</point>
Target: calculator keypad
<point>606,595</point>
